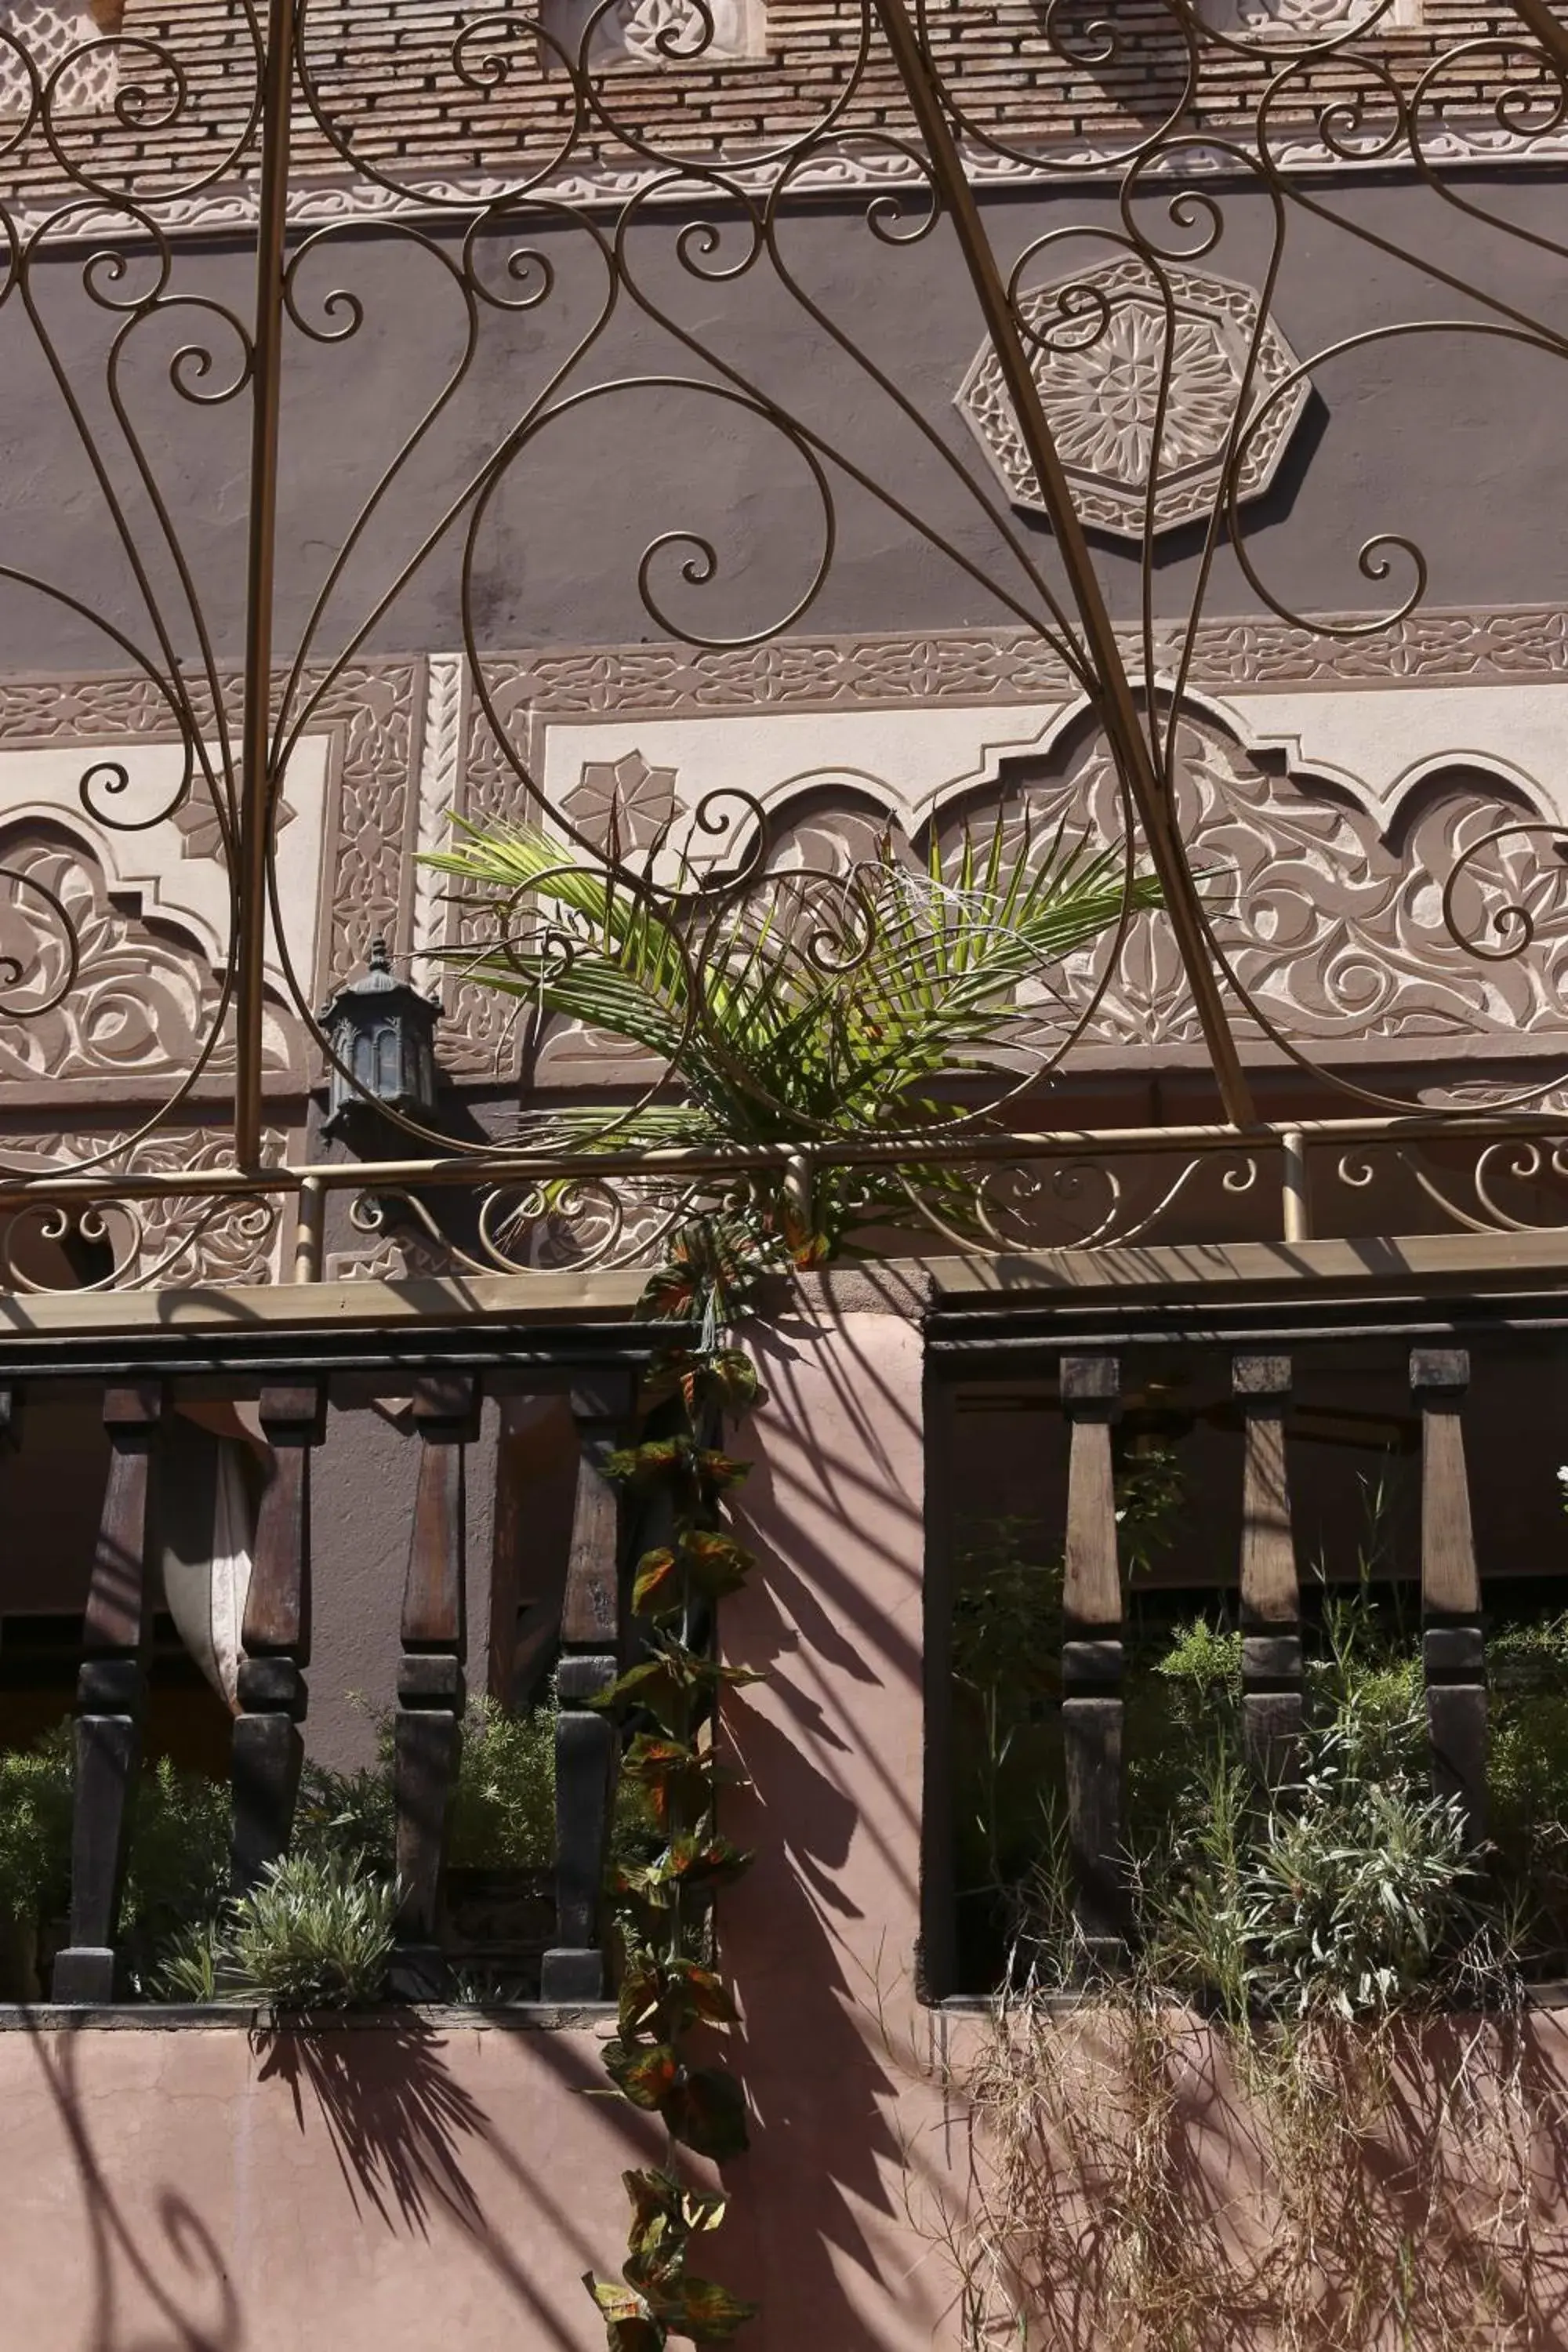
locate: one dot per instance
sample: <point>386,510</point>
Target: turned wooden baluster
<point>268,1748</point>
<point>1452,1644</point>
<point>428,1727</point>
<point>111,1690</point>
<point>1270,1594</point>
<point>587,1742</point>
<point>1091,1655</point>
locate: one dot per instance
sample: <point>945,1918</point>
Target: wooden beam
<point>1092,1656</point>
<point>1452,1642</point>
<point>112,1694</point>
<point>268,1750</point>
<point>1271,1594</point>
<point>427,1730</point>
<point>588,1739</point>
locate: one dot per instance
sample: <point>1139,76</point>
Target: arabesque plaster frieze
<point>847,167</point>
<point>176,1237</point>
<point>864,729</point>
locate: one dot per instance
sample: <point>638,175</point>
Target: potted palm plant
<point>788,1012</point>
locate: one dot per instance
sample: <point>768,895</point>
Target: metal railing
<point>89,207</point>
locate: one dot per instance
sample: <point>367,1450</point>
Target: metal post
<point>308,1230</point>
<point>1548,29</point>
<point>256,805</point>
<point>1117,710</point>
<point>1293,1186</point>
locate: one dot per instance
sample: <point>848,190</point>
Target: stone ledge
<point>202,2017</point>
<point>902,1287</point>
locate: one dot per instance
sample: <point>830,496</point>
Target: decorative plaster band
<point>847,168</point>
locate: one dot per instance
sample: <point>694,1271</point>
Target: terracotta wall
<point>394,2185</point>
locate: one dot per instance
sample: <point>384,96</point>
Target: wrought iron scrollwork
<point>594,262</point>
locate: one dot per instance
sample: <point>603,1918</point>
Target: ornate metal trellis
<point>605,213</point>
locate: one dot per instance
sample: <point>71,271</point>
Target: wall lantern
<point>381,1031</point>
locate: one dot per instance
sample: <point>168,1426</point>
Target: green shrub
<point>504,1810</point>
<point>347,1812</point>
<point>1350,1894</point>
<point>316,1932</point>
<point>36,1827</point>
<point>178,1866</point>
<point>178,1861</point>
<point>1345,1895</point>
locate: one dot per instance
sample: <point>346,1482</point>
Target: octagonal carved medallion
<point>1099,361</point>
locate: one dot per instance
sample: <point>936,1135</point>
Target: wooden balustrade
<point>271,1688</point>
<point>427,1730</point>
<point>587,1741</point>
<point>111,1692</point>
<point>267,1746</point>
<point>1452,1644</point>
<point>1092,1655</point>
<point>1270,1594</point>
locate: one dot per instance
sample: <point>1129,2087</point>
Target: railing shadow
<point>118,2251</point>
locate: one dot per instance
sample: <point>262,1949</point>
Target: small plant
<point>504,1810</point>
<point>348,1813</point>
<point>1343,1896</point>
<point>179,1863</point>
<point>35,1850</point>
<point>178,1866</point>
<point>503,1806</point>
<point>316,1932</point>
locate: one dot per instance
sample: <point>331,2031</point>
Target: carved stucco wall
<point>388,75</point>
<point>1329,786</point>
<point>1328,776</point>
<point>65,41</point>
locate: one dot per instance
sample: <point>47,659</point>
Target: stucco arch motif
<point>1331,912</point>
<point>661,34</point>
<point>1333,925</point>
<point>144,995</point>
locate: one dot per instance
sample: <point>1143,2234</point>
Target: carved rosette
<point>1104,342</point>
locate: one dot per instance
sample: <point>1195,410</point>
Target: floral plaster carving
<point>62,39</point>
<point>1296,20</point>
<point>1335,929</point>
<point>201,836</point>
<point>624,801</point>
<point>1104,344</point>
<point>145,996</point>
<point>391,776</point>
<point>176,1237</point>
<point>663,34</point>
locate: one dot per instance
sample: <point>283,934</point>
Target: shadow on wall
<point>184,2276</point>
<point>1385,2182</point>
<point>253,2250</point>
<point>818,1938</point>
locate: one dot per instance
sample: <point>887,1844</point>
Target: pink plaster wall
<point>388,2188</point>
<point>820,1936</point>
<point>196,2191</point>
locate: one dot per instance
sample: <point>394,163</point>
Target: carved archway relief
<point>1330,905</point>
<point>123,800</point>
<point>102,984</point>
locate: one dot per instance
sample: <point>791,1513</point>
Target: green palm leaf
<point>773,1035</point>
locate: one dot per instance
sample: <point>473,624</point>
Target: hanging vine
<point>671,1990</point>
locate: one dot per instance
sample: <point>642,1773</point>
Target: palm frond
<point>770,1041</point>
<point>948,955</point>
<point>615,962</point>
